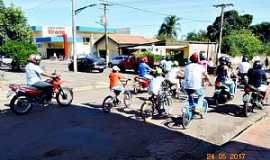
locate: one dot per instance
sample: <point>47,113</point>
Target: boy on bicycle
<point>115,78</point>
<point>155,84</point>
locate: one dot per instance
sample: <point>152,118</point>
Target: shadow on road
<point>79,132</point>
<point>229,109</point>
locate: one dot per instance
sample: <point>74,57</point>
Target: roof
<point>128,39</point>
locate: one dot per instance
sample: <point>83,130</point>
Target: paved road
<point>83,131</point>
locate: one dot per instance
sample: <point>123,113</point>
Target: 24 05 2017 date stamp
<point>226,156</point>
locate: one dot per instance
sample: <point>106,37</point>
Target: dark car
<point>116,60</point>
<point>89,63</point>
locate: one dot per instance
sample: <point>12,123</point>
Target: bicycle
<point>189,112</point>
<point>112,101</point>
<point>155,105</point>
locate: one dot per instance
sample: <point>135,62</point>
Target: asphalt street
<point>84,131</point>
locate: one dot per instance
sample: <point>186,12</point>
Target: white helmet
<point>38,57</point>
<point>115,68</point>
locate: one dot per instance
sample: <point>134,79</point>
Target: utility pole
<point>74,37</point>
<point>105,8</point>
<point>222,6</point>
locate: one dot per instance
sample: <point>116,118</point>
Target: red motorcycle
<point>140,84</point>
<point>25,96</point>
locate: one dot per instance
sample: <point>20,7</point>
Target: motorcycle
<point>243,80</point>
<point>252,98</point>
<point>25,96</point>
<point>140,84</point>
<point>222,92</point>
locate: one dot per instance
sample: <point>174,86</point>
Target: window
<point>86,40</point>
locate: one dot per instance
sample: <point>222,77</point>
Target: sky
<point>145,19</point>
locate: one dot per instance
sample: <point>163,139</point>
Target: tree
<point>232,21</point>
<point>169,28</point>
<point>241,42</point>
<point>262,30</point>
<point>200,36</point>
<point>15,35</point>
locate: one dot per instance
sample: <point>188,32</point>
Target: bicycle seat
<point>117,91</point>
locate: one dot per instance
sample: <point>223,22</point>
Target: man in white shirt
<point>34,73</point>
<point>172,76</point>
<point>244,66</point>
<point>167,65</point>
<point>193,75</point>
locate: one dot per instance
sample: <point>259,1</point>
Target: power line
<point>159,13</point>
<point>39,5</point>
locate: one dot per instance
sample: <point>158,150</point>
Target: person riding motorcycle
<point>257,76</point>
<point>193,75</point>
<point>203,60</point>
<point>144,69</point>
<point>34,74</point>
<point>244,66</point>
<point>167,65</point>
<point>224,74</point>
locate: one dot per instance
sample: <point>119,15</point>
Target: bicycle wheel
<point>186,117</point>
<point>204,109</point>
<point>108,104</point>
<point>127,98</point>
<point>146,110</point>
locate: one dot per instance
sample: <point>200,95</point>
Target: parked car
<point>117,60</point>
<point>89,63</point>
<point>132,63</point>
<point>5,62</point>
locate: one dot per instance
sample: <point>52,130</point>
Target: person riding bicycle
<point>173,75</point>
<point>144,69</point>
<point>224,74</point>
<point>193,76</point>
<point>156,82</point>
<point>115,78</point>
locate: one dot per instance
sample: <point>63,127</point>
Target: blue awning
<point>55,39</point>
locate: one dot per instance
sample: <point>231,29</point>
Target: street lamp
<point>74,13</point>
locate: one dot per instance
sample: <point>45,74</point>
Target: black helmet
<point>168,58</point>
<point>245,58</point>
<point>222,60</point>
<point>202,56</point>
<point>257,65</point>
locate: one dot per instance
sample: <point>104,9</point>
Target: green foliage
<point>242,42</point>
<point>16,38</point>
<point>200,36</point>
<point>266,49</point>
<point>13,25</point>
<point>150,55</point>
<point>169,28</point>
<point>262,30</point>
<point>232,21</point>
<point>18,50</point>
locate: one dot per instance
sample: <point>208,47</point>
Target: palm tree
<point>169,28</point>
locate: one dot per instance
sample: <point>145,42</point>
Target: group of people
<point>194,73</point>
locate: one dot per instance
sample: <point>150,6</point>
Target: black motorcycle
<point>222,92</point>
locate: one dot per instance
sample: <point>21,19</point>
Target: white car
<point>5,60</point>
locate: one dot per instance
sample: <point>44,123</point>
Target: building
<point>118,43</point>
<point>169,47</point>
<point>58,40</point>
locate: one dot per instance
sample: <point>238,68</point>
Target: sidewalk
<point>254,143</point>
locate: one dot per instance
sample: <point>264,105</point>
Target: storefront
<point>52,41</point>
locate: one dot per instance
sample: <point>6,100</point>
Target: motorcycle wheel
<point>146,111</point>
<point>108,104</point>
<point>20,105</point>
<point>64,97</point>
<point>127,98</point>
<point>204,109</point>
<point>246,110</point>
<point>186,118</point>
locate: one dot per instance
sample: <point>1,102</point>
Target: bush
<point>18,51</point>
<point>152,57</point>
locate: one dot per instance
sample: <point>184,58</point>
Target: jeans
<point>230,83</point>
<point>44,86</point>
<point>148,76</point>
<point>199,93</point>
